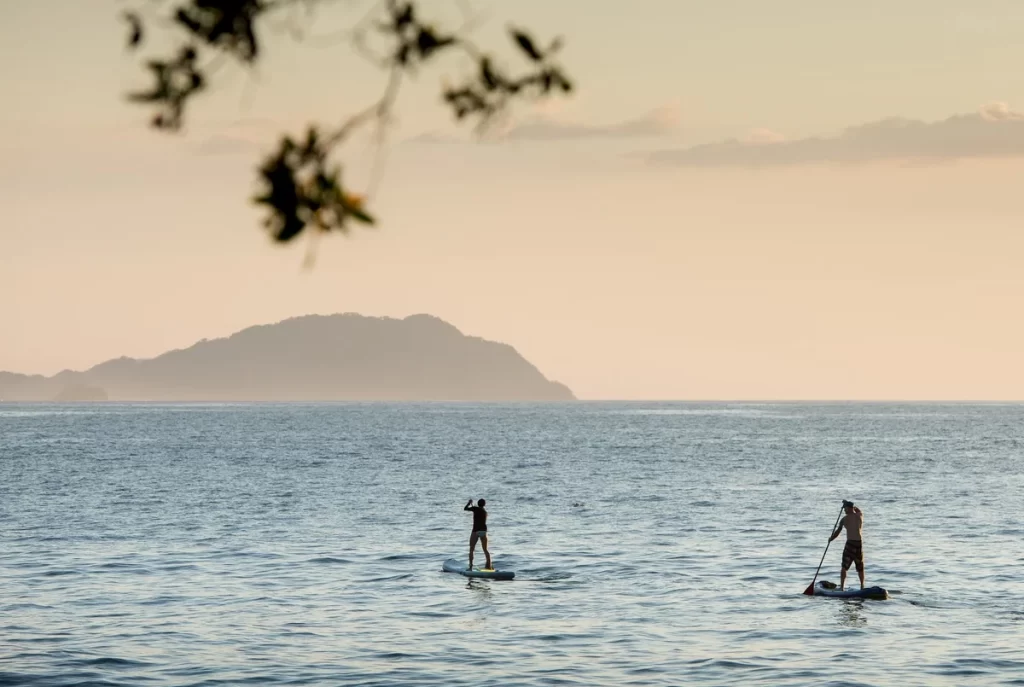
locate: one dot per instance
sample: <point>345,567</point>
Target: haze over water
<point>654,544</point>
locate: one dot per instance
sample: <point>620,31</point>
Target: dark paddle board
<point>457,566</point>
<point>826,588</point>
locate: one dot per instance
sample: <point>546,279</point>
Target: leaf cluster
<point>489,91</point>
<point>302,189</point>
<point>176,80</point>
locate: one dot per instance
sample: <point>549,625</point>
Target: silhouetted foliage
<point>301,190</point>
<point>176,81</point>
<point>301,187</point>
<point>135,37</point>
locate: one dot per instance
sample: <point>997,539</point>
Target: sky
<point>742,200</point>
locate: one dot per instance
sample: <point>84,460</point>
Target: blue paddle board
<point>826,588</point>
<point>457,566</point>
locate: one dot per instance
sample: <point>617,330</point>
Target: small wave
<point>393,655</point>
<point>546,577</point>
<point>405,557</point>
<point>386,578</point>
<point>431,614</point>
<point>26,605</point>
<point>329,560</point>
<point>162,600</point>
<point>247,554</point>
<point>110,661</point>
<point>58,678</point>
<point>55,638</point>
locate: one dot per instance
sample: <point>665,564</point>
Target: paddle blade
<point>810,589</point>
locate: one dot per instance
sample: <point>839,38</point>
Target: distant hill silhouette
<point>311,358</point>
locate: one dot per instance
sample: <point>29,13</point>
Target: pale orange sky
<point>882,262</point>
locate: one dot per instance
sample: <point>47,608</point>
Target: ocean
<point>653,544</point>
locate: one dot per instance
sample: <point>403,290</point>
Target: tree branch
<point>301,187</point>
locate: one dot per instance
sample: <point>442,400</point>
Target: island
<point>311,358</point>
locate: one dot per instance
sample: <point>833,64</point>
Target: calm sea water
<point>654,544</point>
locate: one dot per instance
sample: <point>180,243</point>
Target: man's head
<point>481,503</point>
<point>848,506</point>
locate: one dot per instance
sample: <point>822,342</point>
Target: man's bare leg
<point>860,572</point>
<point>842,579</point>
<point>483,542</point>
<point>472,547</point>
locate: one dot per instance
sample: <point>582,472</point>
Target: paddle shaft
<point>810,589</point>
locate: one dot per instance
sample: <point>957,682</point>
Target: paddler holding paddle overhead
<point>479,530</point>
<point>853,552</point>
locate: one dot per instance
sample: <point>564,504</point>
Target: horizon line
<point>815,401</point>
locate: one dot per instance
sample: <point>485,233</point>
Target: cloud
<point>431,137</point>
<point>547,126</point>
<point>998,112</point>
<point>764,136</point>
<point>242,136</point>
<point>226,144</point>
<point>661,121</point>
<point>994,131</point>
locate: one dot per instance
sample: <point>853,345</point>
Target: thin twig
<point>309,260</point>
<point>378,109</point>
<point>354,33</point>
<point>469,21</point>
<point>387,102</point>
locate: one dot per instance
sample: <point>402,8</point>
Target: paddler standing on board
<point>479,530</point>
<point>853,552</point>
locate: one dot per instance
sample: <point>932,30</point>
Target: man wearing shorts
<point>853,552</point>
<point>479,530</point>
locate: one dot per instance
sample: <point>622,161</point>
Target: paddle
<point>810,588</point>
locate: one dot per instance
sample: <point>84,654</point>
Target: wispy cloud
<point>659,122</point>
<point>243,136</point>
<point>432,137</point>
<point>999,112</point>
<point>994,131</point>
